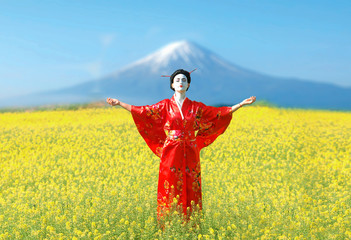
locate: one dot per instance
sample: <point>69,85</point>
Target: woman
<point>179,149</point>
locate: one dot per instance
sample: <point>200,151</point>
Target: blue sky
<point>52,44</point>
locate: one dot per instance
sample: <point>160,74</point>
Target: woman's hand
<point>245,102</point>
<point>248,100</point>
<point>112,101</point>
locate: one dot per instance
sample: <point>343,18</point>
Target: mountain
<point>216,81</point>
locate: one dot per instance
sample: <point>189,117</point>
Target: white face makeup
<point>180,83</point>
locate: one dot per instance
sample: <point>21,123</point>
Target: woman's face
<point>180,83</point>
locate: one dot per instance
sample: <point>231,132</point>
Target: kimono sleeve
<point>149,121</point>
<point>212,122</point>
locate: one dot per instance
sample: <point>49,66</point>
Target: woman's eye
<point>183,79</point>
<point>177,80</point>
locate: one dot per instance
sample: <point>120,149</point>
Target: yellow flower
<point>272,170</point>
<point>68,225</point>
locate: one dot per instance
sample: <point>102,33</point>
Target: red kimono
<point>171,135</point>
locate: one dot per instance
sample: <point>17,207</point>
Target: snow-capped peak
<point>184,51</point>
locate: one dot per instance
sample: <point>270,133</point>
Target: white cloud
<point>93,69</point>
<point>153,32</point>
<point>107,39</point>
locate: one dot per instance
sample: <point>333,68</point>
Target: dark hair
<point>180,71</point>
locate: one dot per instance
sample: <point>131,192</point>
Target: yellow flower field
<point>87,174</point>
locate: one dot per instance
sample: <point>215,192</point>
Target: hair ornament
<point>170,75</point>
<point>193,71</point>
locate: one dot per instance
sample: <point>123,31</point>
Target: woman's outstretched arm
<point>114,102</point>
<point>245,102</point>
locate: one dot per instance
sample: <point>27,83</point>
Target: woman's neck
<point>179,96</point>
